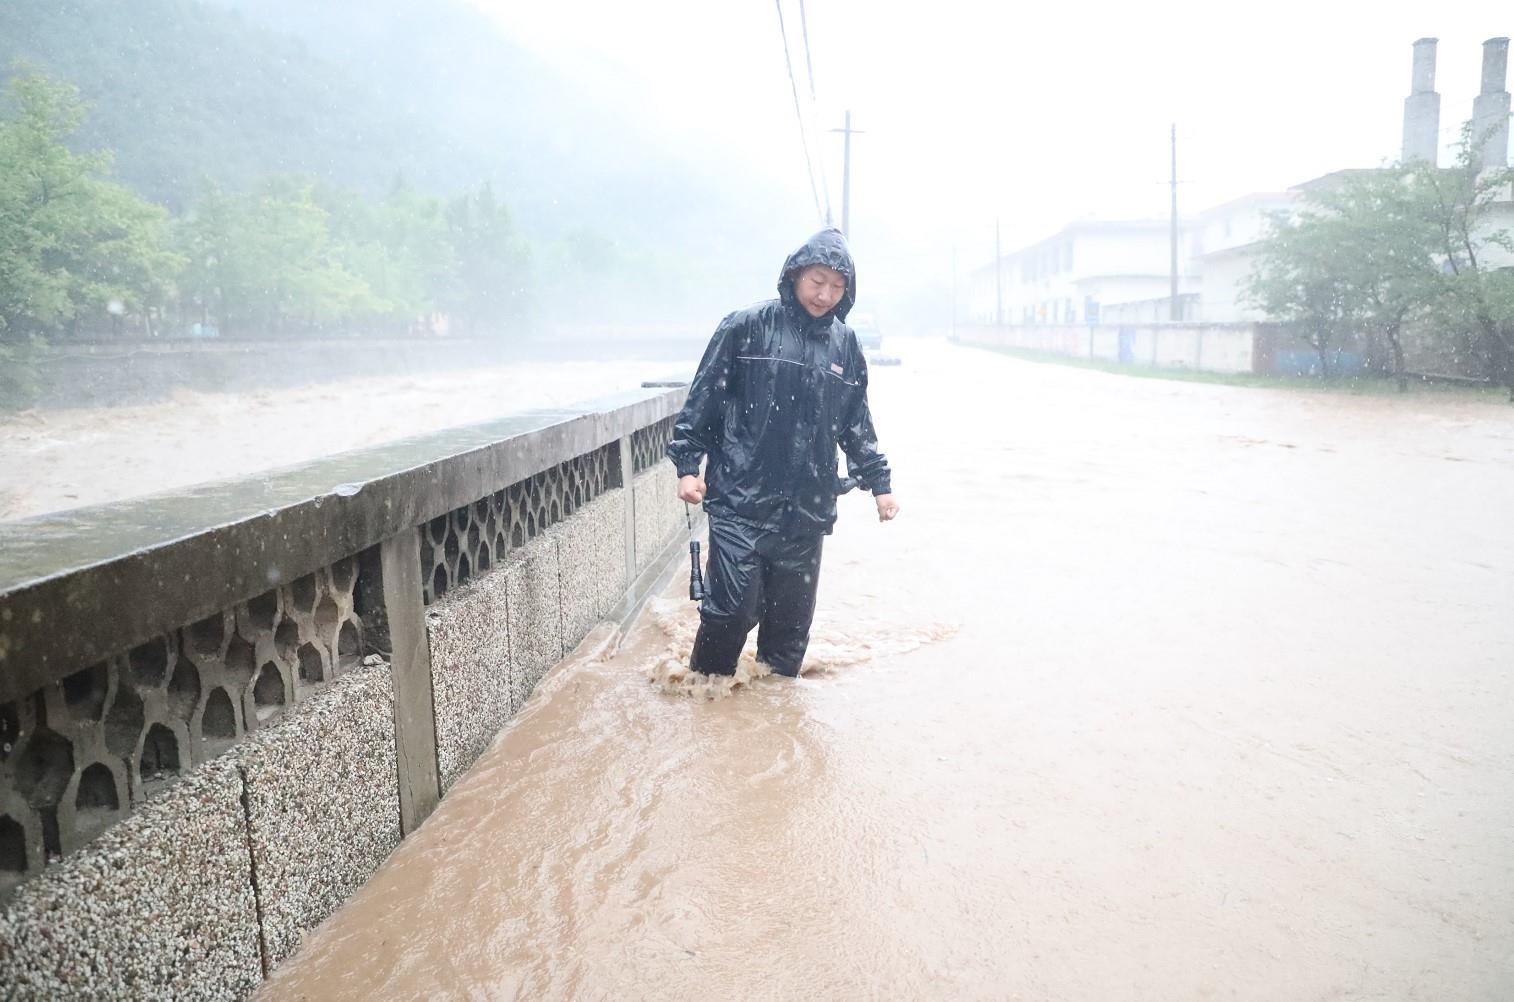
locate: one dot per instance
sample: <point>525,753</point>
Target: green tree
<point>1475,283</point>
<point>1296,281</point>
<point>490,283</point>
<point>399,246</point>
<point>76,249</point>
<point>1381,247</point>
<point>265,262</point>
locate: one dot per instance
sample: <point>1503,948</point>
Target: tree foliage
<point>289,255</point>
<point>265,262</point>
<point>490,283</point>
<point>1296,283</point>
<point>1475,283</point>
<point>76,249</point>
<point>1411,250</point>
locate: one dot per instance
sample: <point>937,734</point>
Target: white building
<point>1069,276</point>
<point>1217,248</point>
<point>1100,271</point>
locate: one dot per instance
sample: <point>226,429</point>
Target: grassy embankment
<point>1373,385</point>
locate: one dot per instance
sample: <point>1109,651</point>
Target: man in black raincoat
<point>781,386</point>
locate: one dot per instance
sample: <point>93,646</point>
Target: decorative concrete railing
<point>220,710</point>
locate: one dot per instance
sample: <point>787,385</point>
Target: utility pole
<point>1172,312</point>
<point>998,280</point>
<point>954,292</point>
<point>846,175</point>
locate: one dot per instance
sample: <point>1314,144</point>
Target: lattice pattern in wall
<point>470,540</point>
<point>80,754</point>
<point>648,445</point>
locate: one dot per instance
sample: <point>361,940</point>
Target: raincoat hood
<point>828,247</point>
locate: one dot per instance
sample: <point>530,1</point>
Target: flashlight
<point>696,576</point>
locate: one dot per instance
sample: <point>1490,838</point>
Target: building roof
<point>1245,248</point>
<point>1091,226</point>
<point>1252,199</point>
<point>1333,178</point>
<point>1129,276</point>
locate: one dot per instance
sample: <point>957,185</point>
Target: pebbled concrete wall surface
<point>262,834</point>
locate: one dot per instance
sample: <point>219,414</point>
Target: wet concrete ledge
<point>78,586</point>
<point>197,886</point>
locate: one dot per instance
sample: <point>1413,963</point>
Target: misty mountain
<point>230,90</point>
<point>183,92</point>
<point>558,155</point>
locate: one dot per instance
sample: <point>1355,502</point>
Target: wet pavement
<point>1155,690</point>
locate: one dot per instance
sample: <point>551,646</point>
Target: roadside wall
<point>175,816</point>
<point>1200,347</point>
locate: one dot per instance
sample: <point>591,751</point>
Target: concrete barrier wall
<point>252,769</point>
<point>492,640</point>
<point>1201,347</point>
<point>213,882</point>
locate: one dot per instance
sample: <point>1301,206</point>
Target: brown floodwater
<point>1155,690</point>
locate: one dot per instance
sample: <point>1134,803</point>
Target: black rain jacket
<point>776,392</point>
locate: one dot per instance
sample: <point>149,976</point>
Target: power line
<point>804,32</point>
<point>809,168</point>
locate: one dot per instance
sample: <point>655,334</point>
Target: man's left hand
<point>887,507</point>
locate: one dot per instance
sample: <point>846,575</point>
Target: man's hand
<point>887,507</point>
<point>691,489</point>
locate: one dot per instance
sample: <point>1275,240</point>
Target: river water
<point>56,460</point>
<point>1155,690</point>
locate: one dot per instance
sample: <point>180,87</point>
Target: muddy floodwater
<point>55,460</point>
<point>1155,690</point>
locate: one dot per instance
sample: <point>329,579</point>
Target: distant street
<point>1155,691</point>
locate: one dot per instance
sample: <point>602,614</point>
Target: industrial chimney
<point>1422,107</point>
<point>1490,112</point>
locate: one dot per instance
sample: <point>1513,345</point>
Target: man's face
<point>819,288</point>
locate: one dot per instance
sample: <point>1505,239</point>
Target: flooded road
<point>1155,690</point>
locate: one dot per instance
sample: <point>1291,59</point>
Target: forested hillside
<point>183,92</point>
<point>221,98</point>
<point>568,157</point>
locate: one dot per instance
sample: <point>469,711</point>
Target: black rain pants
<point>762,578</point>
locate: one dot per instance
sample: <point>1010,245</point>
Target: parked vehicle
<point>868,334</point>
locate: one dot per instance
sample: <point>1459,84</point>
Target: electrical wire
<point>804,32</point>
<point>809,167</point>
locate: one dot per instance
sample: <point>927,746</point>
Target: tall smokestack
<point>1490,112</point>
<point>1422,107</point>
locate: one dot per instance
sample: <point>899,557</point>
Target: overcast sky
<point>976,111</point>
